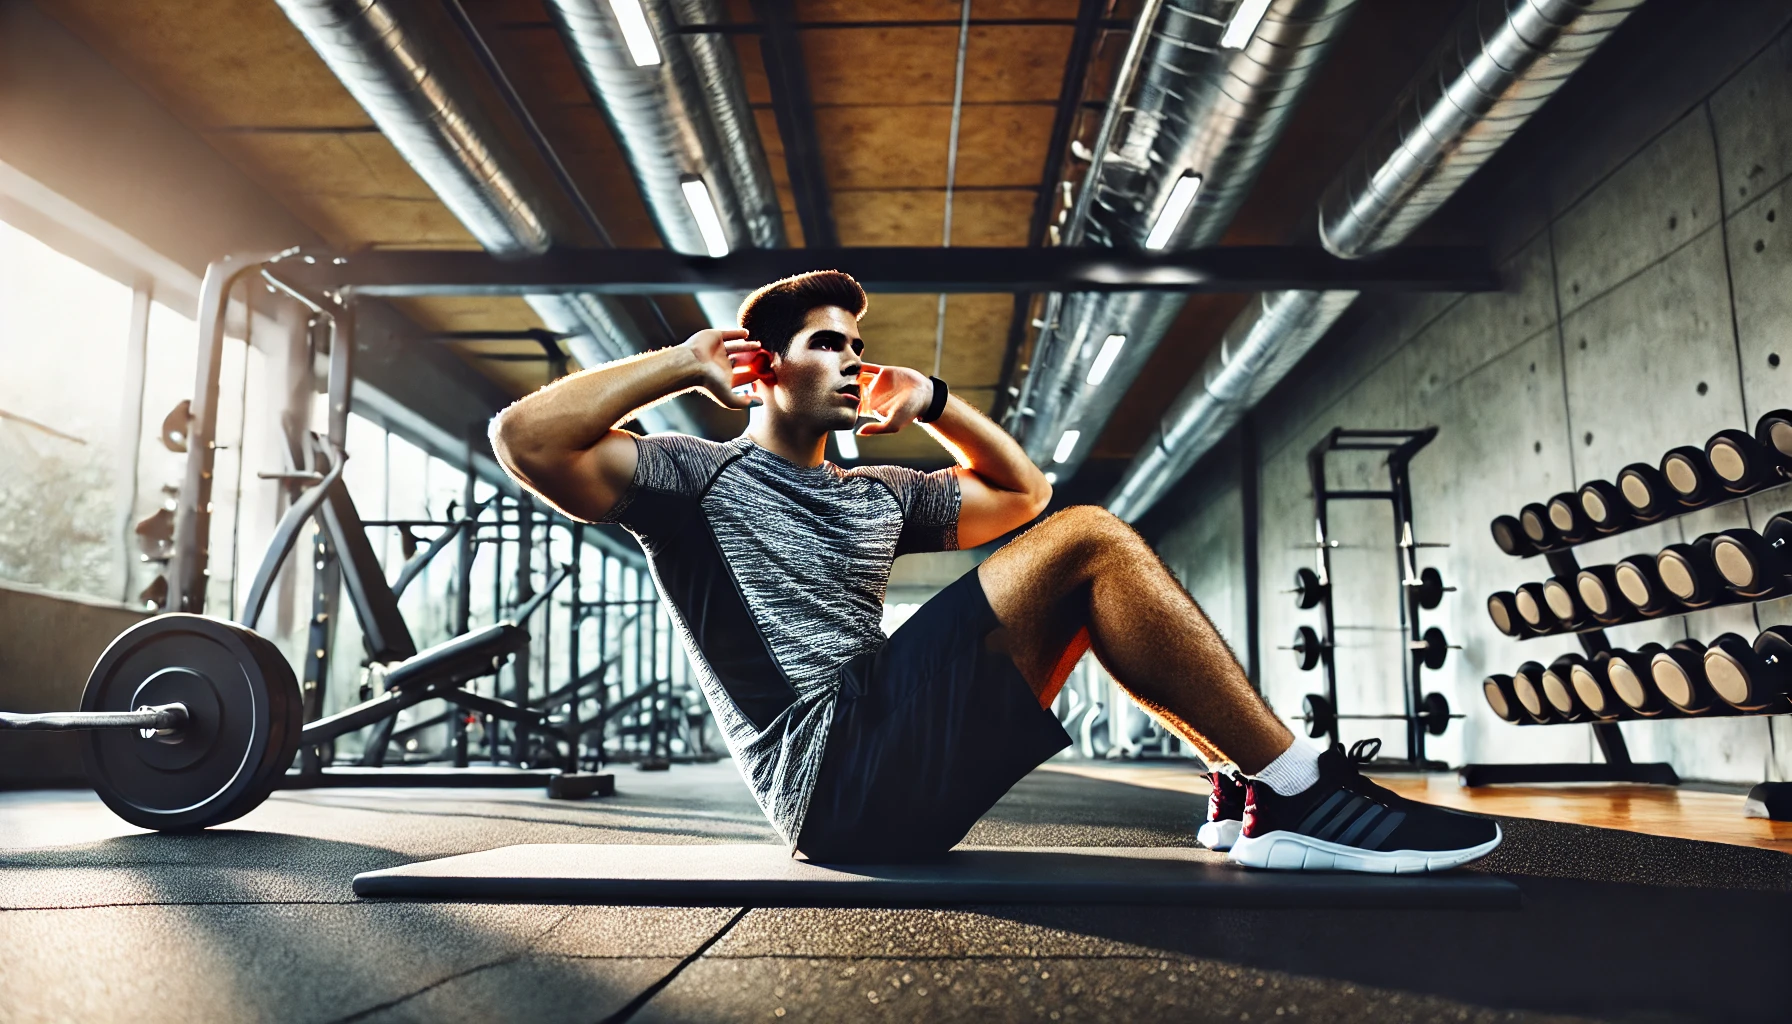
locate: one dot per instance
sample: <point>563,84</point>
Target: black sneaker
<point>1225,812</point>
<point>1344,822</point>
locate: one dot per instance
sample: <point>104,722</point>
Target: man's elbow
<point>1039,495</point>
<point>511,445</point>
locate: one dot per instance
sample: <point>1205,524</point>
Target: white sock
<point>1294,771</point>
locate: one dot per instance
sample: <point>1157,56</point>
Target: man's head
<point>809,326</point>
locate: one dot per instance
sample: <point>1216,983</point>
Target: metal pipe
<point>393,68</point>
<point>1194,108</point>
<point>685,118</point>
<point>1502,61</point>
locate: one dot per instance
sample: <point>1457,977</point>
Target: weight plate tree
<point>1424,714</point>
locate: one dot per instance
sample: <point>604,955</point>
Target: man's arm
<point>561,442</point>
<point>1000,489</point>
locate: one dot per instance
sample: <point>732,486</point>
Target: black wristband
<point>937,407</point>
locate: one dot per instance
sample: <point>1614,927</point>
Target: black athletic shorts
<point>930,731</point>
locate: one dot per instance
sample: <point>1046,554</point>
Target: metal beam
<point>958,270</point>
<point>1070,98</point>
<point>788,76</point>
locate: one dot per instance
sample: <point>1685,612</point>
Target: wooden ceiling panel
<point>354,189</point>
<point>991,216</point>
<point>900,330</point>
<point>931,10</point>
<point>872,66</point>
<point>905,147</point>
<point>872,217</point>
<point>216,63</point>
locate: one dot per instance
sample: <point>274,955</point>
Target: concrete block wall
<point>1648,303</point>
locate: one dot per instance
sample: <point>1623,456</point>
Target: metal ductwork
<point>389,64</point>
<point>1191,107</point>
<point>686,117</point>
<point>1503,60</point>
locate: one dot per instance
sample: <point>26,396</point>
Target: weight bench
<point>763,875</point>
<point>409,676</point>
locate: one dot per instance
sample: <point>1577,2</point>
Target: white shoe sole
<point>1291,851</point>
<point>1219,835</point>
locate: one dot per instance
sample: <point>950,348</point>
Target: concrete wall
<point>1648,262</point>
<point>48,644</point>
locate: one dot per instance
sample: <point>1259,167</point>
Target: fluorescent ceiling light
<point>632,20</point>
<point>1243,24</point>
<point>696,196</point>
<point>847,444</point>
<point>1104,360</point>
<point>1182,196</point>
<point>1066,445</point>
<point>1051,477</point>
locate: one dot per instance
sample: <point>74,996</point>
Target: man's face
<point>818,375</point>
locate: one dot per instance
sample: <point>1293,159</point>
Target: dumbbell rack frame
<point>1618,766</point>
<point>1401,446</point>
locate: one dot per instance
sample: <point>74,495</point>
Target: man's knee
<point>1091,531</point>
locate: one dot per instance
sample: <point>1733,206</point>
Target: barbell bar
<point>148,720</point>
<point>1320,717</point>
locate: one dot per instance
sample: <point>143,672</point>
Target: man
<point>773,563</point>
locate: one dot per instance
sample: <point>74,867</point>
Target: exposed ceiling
<point>881,77</point>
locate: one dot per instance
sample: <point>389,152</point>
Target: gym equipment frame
<point>1425,714</point>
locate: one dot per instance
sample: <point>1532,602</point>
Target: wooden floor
<point>1653,810</point>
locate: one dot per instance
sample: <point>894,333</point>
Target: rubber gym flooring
<point>256,921</point>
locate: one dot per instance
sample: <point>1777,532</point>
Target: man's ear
<point>766,364</point>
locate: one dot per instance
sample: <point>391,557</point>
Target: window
<point>64,445</point>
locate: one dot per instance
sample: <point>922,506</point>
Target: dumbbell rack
<point>1401,446</point>
<point>1618,766</point>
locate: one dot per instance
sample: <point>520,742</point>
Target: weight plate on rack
<point>242,732</point>
<point>1307,648</point>
<point>1319,715</point>
<point>1435,713</point>
<point>1308,591</point>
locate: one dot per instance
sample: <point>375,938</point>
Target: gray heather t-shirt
<point>774,576</point>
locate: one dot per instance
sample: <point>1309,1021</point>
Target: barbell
<point>1320,717</point>
<point>191,722</point>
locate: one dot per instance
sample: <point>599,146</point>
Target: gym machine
<point>1731,676</point>
<point>1426,714</point>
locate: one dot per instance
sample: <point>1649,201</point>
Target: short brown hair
<point>773,314</point>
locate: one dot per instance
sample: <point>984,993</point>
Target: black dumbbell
<point>1755,564</point>
<point>1593,689</point>
<point>1688,573</point>
<point>1307,648</point>
<point>1568,518</point>
<point>1319,715</point>
<point>1509,534</point>
<point>1751,677</point>
<point>1641,585</point>
<point>1533,519</point>
<point>1740,462</point>
<point>1527,686</point>
<point>1498,691</point>
<point>1604,506</point>
<point>1557,683</point>
<point>1689,476</point>
<point>1679,673</point>
<point>1774,429</point>
<point>1533,610</point>
<point>1600,596</point>
<point>1633,681</point>
<point>1308,591</point>
<point>1646,494</point>
<point>1564,602</point>
<point>1503,610</point>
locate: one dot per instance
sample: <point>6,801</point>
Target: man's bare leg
<point>1084,579</point>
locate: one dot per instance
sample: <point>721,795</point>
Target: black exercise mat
<point>764,875</point>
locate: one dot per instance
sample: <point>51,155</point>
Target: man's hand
<point>894,395</point>
<point>726,361</point>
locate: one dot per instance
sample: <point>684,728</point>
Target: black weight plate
<point>242,700</point>
<point>1307,648</point>
<point>1430,590</point>
<point>1498,691</point>
<point>1318,713</point>
<point>1436,649</point>
<point>1308,591</point>
<point>1436,713</point>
